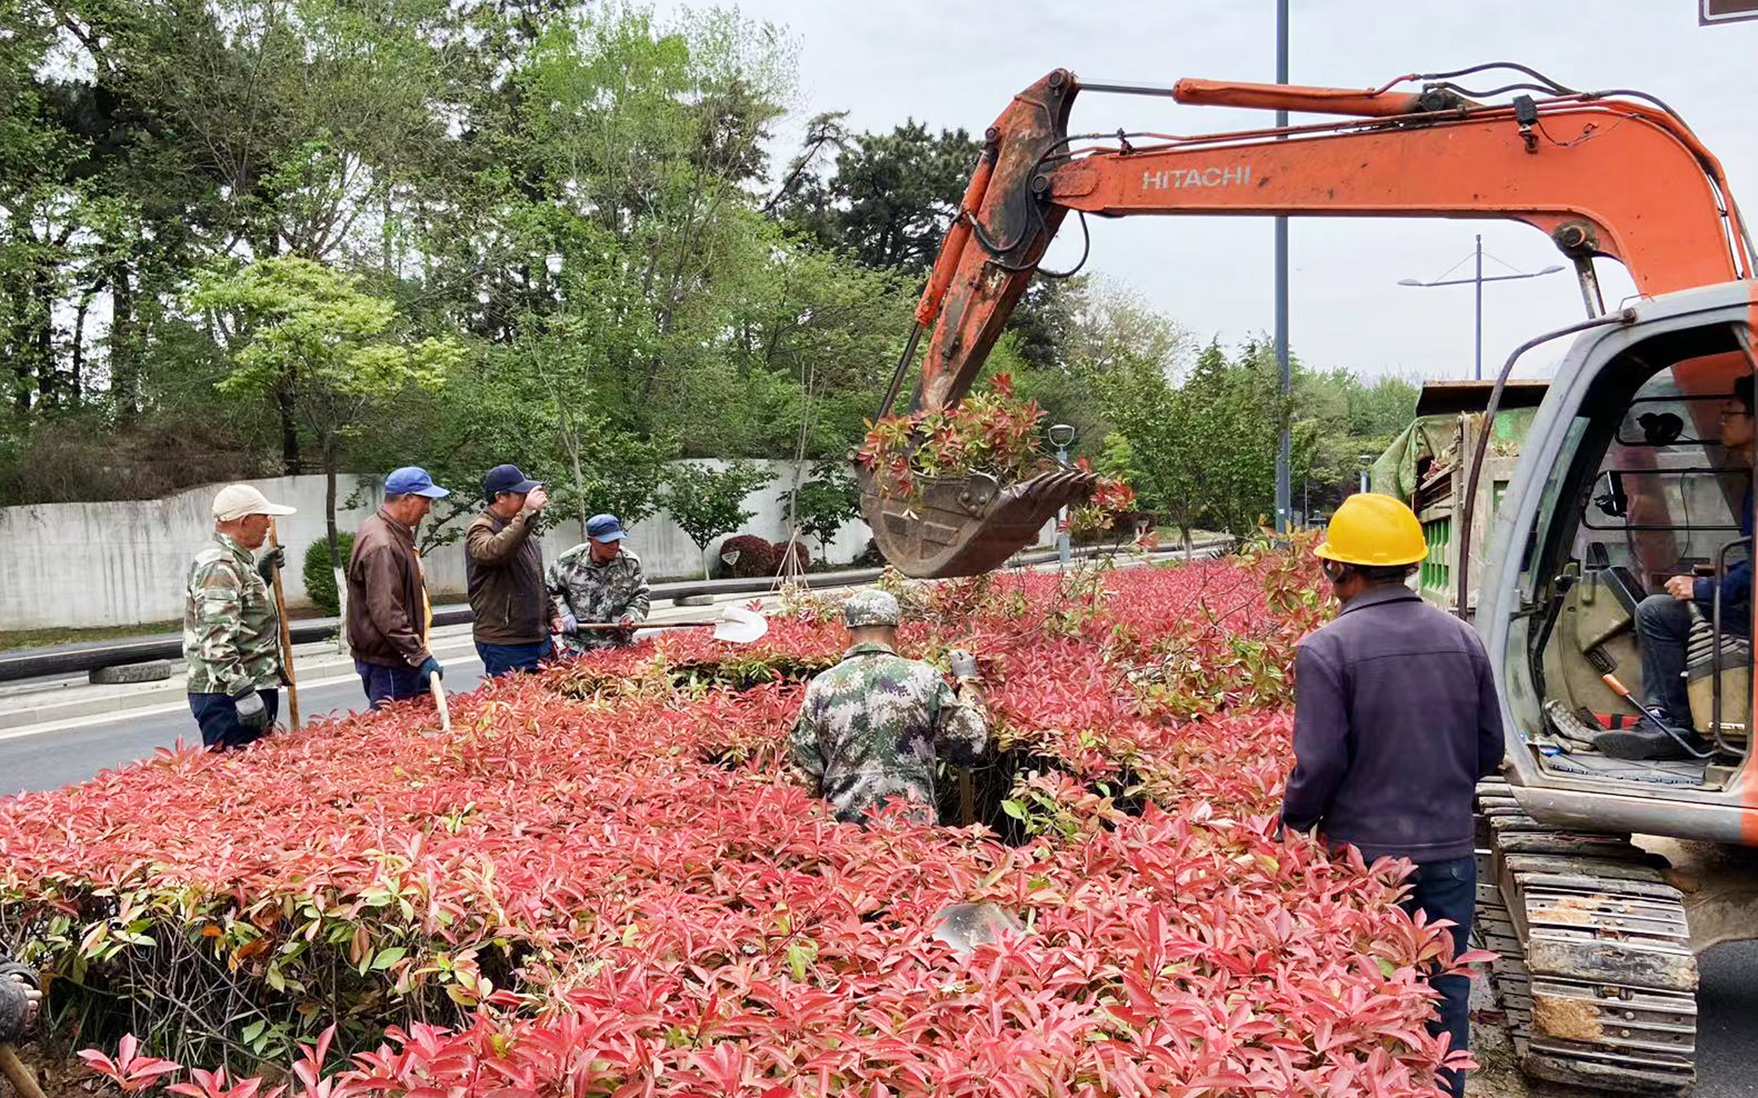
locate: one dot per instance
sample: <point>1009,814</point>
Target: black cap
<point>506,478</point>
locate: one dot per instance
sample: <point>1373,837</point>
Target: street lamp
<point>1478,280</point>
<point>1062,437</point>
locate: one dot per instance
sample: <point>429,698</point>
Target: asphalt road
<point>50,760</point>
<point>1727,1041</point>
<point>1727,1021</point>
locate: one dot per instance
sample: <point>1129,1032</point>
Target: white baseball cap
<point>235,501</point>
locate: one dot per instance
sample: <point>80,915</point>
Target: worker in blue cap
<point>503,568</point>
<point>389,612</point>
<point>598,581</point>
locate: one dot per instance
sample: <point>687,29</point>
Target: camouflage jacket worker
<point>596,593</point>
<point>871,727</point>
<point>231,636</point>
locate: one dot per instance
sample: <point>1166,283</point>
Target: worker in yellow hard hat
<point>1395,721</point>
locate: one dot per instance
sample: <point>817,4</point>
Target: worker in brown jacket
<point>503,566</point>
<point>388,609</point>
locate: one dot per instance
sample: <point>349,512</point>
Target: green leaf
<point>254,1029</point>
<point>387,957</point>
<point>1015,809</point>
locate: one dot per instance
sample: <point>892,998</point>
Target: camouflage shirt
<point>596,592</point>
<point>870,728</point>
<point>231,637</point>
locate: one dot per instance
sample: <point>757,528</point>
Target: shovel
<point>735,624</point>
<point>286,638</point>
<point>439,701</point>
<point>21,1077</point>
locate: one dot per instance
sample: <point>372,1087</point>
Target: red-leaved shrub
<point>601,883</point>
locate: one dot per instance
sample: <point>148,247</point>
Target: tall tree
<point>309,334</point>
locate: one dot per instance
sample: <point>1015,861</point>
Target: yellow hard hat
<point>1374,530</point>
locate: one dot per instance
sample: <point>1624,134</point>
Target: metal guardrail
<point>78,658</point>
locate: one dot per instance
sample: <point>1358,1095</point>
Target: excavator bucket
<point>964,526</point>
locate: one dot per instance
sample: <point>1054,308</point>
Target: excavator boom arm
<point>1602,175</point>
<point>1605,177</point>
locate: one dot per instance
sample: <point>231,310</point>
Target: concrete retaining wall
<point>71,565</point>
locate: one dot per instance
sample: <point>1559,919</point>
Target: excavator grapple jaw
<point>964,526</point>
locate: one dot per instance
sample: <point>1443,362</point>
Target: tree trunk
<point>336,571</point>
<point>124,362</point>
<point>330,502</point>
<point>284,405</point>
<point>43,330</point>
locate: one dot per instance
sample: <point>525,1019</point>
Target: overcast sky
<point>957,63</point>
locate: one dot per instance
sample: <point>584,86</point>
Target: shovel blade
<point>964,927</point>
<point>740,626</point>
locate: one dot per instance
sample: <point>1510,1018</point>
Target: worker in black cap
<point>503,565</point>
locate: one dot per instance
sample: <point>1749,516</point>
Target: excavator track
<point>1595,972</point>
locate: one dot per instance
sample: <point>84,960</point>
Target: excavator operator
<point>1663,623</point>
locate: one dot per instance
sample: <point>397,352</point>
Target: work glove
<point>20,1001</point>
<point>251,713</point>
<point>964,665</point>
<point>430,666</point>
<point>271,562</point>
<point>570,624</point>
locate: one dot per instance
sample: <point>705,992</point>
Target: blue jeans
<point>1448,890</point>
<point>498,659</point>
<point>217,715</point>
<point>389,684</point>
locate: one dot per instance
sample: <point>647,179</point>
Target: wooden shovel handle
<point>439,701</point>
<point>286,639</point>
<point>18,1074</point>
<point>585,625</point>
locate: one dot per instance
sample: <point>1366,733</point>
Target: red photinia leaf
<point>690,922</point>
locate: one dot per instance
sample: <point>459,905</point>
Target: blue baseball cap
<point>507,478</point>
<point>412,480</point>
<point>605,529</point>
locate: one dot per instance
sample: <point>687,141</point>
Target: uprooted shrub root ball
<point>601,881</point>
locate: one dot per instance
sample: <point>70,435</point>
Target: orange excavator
<point>1601,173</point>
<point>1600,879</point>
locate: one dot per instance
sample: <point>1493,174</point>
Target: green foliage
<point>706,502</point>
<point>891,196</point>
<point>304,328</point>
<point>824,504</point>
<point>1339,420</point>
<point>542,237</point>
<point>320,577</point>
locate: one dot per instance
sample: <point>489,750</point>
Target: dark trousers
<point>1448,890</point>
<point>389,684</point>
<point>1663,628</point>
<point>217,715</point>
<point>498,659</point>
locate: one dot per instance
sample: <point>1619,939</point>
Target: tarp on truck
<point>1434,434</point>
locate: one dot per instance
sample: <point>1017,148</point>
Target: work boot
<point>1650,742</point>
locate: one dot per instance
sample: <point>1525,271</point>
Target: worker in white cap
<point>231,636</point>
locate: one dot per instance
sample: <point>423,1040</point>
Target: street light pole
<point>1477,280</point>
<point>1479,364</point>
<point>1062,435</point>
<point>1284,449</point>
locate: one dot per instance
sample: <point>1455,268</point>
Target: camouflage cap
<point>870,606</point>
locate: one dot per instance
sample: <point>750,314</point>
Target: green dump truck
<point>1427,466</point>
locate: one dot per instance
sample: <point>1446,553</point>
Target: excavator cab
<point>1596,907</point>
<point>1622,484</point>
